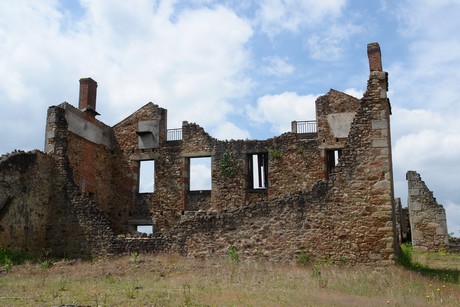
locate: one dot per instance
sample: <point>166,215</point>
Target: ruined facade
<point>325,188</point>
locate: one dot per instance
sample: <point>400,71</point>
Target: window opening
<point>332,158</point>
<point>147,176</point>
<point>148,229</point>
<point>200,174</point>
<point>258,171</point>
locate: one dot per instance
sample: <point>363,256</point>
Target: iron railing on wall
<point>174,134</point>
<point>306,126</point>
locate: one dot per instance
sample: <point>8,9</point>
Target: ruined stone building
<point>325,188</point>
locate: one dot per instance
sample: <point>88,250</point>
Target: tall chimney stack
<point>87,100</point>
<point>375,57</point>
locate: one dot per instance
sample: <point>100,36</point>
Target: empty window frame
<point>332,158</point>
<point>148,229</point>
<point>147,176</point>
<point>258,171</point>
<point>200,174</point>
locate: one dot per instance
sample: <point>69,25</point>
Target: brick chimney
<point>375,57</point>
<point>87,100</point>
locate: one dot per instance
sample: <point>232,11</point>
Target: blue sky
<point>241,69</point>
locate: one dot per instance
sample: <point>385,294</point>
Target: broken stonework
<point>427,217</point>
<point>327,192</point>
<point>428,225</point>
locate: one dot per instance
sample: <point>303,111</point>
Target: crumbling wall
<point>96,165</point>
<point>402,222</point>
<point>343,213</point>
<point>293,165</point>
<point>26,190</point>
<point>427,217</point>
<point>166,200</point>
<point>348,218</point>
<point>335,112</point>
<point>41,210</point>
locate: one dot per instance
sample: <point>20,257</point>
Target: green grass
<point>442,265</point>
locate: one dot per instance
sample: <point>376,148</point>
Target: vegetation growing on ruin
<point>227,165</point>
<point>275,153</point>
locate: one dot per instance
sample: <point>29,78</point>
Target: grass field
<point>169,280</point>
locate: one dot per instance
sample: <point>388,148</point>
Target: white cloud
<point>189,61</point>
<point>357,93</point>
<point>427,142</point>
<point>276,16</point>
<point>432,18</point>
<point>200,174</point>
<point>277,66</point>
<point>280,110</point>
<point>329,44</point>
<point>229,131</point>
<point>453,218</point>
<point>425,100</point>
<point>429,75</point>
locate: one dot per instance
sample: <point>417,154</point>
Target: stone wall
<point>427,217</point>
<point>41,210</point>
<point>350,217</point>
<point>26,190</point>
<point>343,213</point>
<point>335,112</point>
<point>94,158</point>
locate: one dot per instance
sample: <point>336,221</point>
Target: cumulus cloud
<point>328,44</point>
<point>425,100</point>
<point>277,66</point>
<point>280,110</point>
<point>190,61</point>
<point>276,16</point>
<point>426,141</point>
<point>430,29</point>
<point>230,131</point>
<point>324,18</point>
<point>432,18</point>
<point>357,93</point>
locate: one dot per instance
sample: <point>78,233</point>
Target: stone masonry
<point>327,192</point>
<point>428,224</point>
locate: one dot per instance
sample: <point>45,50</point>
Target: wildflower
<point>438,289</point>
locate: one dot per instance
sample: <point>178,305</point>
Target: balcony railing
<point>174,134</point>
<point>307,126</point>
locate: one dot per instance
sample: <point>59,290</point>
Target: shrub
<point>227,165</point>
<point>134,258</point>
<point>233,253</point>
<point>304,259</point>
<point>275,153</point>
<point>15,257</point>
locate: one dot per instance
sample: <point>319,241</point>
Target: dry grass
<point>168,280</point>
<point>439,260</point>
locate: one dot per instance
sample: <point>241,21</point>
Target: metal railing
<point>174,134</point>
<point>306,126</point>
